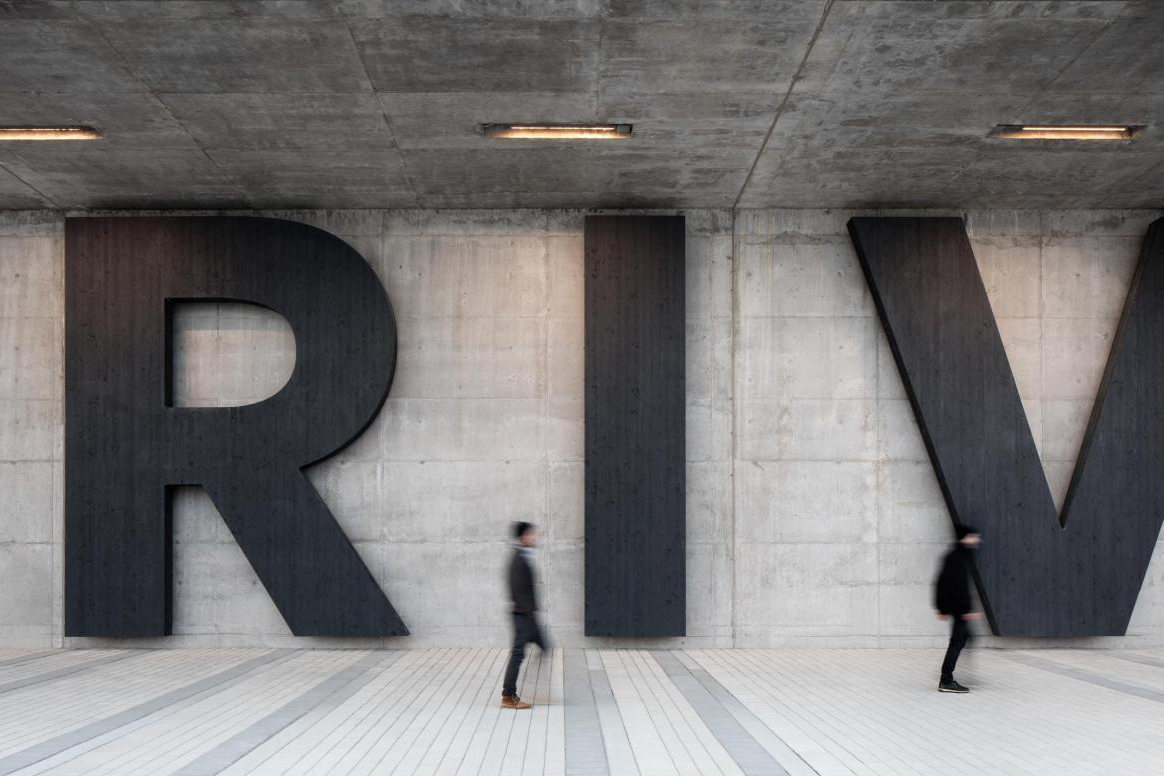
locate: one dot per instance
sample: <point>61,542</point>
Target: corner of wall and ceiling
<point>783,102</point>
<point>733,264</point>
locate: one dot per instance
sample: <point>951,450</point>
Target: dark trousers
<point>959,638</point>
<point>525,631</point>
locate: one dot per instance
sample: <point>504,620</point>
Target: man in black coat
<point>952,599</point>
<point>523,593</point>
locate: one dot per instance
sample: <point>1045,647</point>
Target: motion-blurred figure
<point>525,605</point>
<point>952,599</point>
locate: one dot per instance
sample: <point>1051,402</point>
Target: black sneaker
<point>952,686</point>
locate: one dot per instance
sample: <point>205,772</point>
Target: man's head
<point>968,535</point>
<point>525,534</point>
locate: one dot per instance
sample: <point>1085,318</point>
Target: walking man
<point>525,605</point>
<point>952,598</point>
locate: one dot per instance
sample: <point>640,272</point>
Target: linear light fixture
<point>49,133</point>
<point>1065,131</point>
<point>558,131</point>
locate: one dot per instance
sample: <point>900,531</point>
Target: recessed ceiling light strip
<point>1052,128</point>
<point>557,131</point>
<point>49,133</point>
<point>1065,131</point>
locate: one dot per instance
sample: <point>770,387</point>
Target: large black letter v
<point>1038,574</point>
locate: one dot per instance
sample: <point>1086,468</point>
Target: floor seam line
<point>748,754</point>
<point>333,690</point>
<point>86,733</point>
<point>1081,675</point>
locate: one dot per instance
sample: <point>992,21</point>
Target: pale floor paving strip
<point>60,673</point>
<point>184,733</point>
<point>610,712</point>
<point>327,694</point>
<point>26,657</point>
<point>44,665</point>
<point>786,759</point>
<point>1126,655</point>
<point>320,743</point>
<point>1088,676</point>
<point>42,753</point>
<point>55,709</point>
<point>752,758</point>
<point>619,755</point>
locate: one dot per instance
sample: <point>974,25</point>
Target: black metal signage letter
<point>635,433</point>
<point>124,446</point>
<point>1038,573</point>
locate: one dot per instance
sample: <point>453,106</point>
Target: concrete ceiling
<point>755,103</point>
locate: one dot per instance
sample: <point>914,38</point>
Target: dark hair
<point>521,528</point>
<point>962,531</point>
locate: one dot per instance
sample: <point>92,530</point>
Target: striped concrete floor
<point>620,712</point>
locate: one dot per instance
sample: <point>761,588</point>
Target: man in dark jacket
<point>525,605</point>
<point>952,599</point>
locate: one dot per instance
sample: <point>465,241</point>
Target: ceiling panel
<point>240,55</point>
<point>896,100</point>
<point>266,121</point>
<point>702,56</point>
<point>764,103</point>
<point>60,56</point>
<point>91,176</point>
<point>1126,58</point>
<point>298,178</point>
<point>473,54</point>
<point>152,10</point>
<point>20,195</point>
<point>127,119</point>
<point>452,119</point>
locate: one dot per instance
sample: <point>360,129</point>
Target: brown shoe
<point>513,702</point>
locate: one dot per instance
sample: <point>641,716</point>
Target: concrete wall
<point>483,426</point>
<point>838,514</point>
<point>32,306</point>
<point>814,517</point>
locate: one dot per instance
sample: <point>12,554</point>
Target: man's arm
<point>942,588</point>
<point>521,585</point>
<point>513,582</point>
